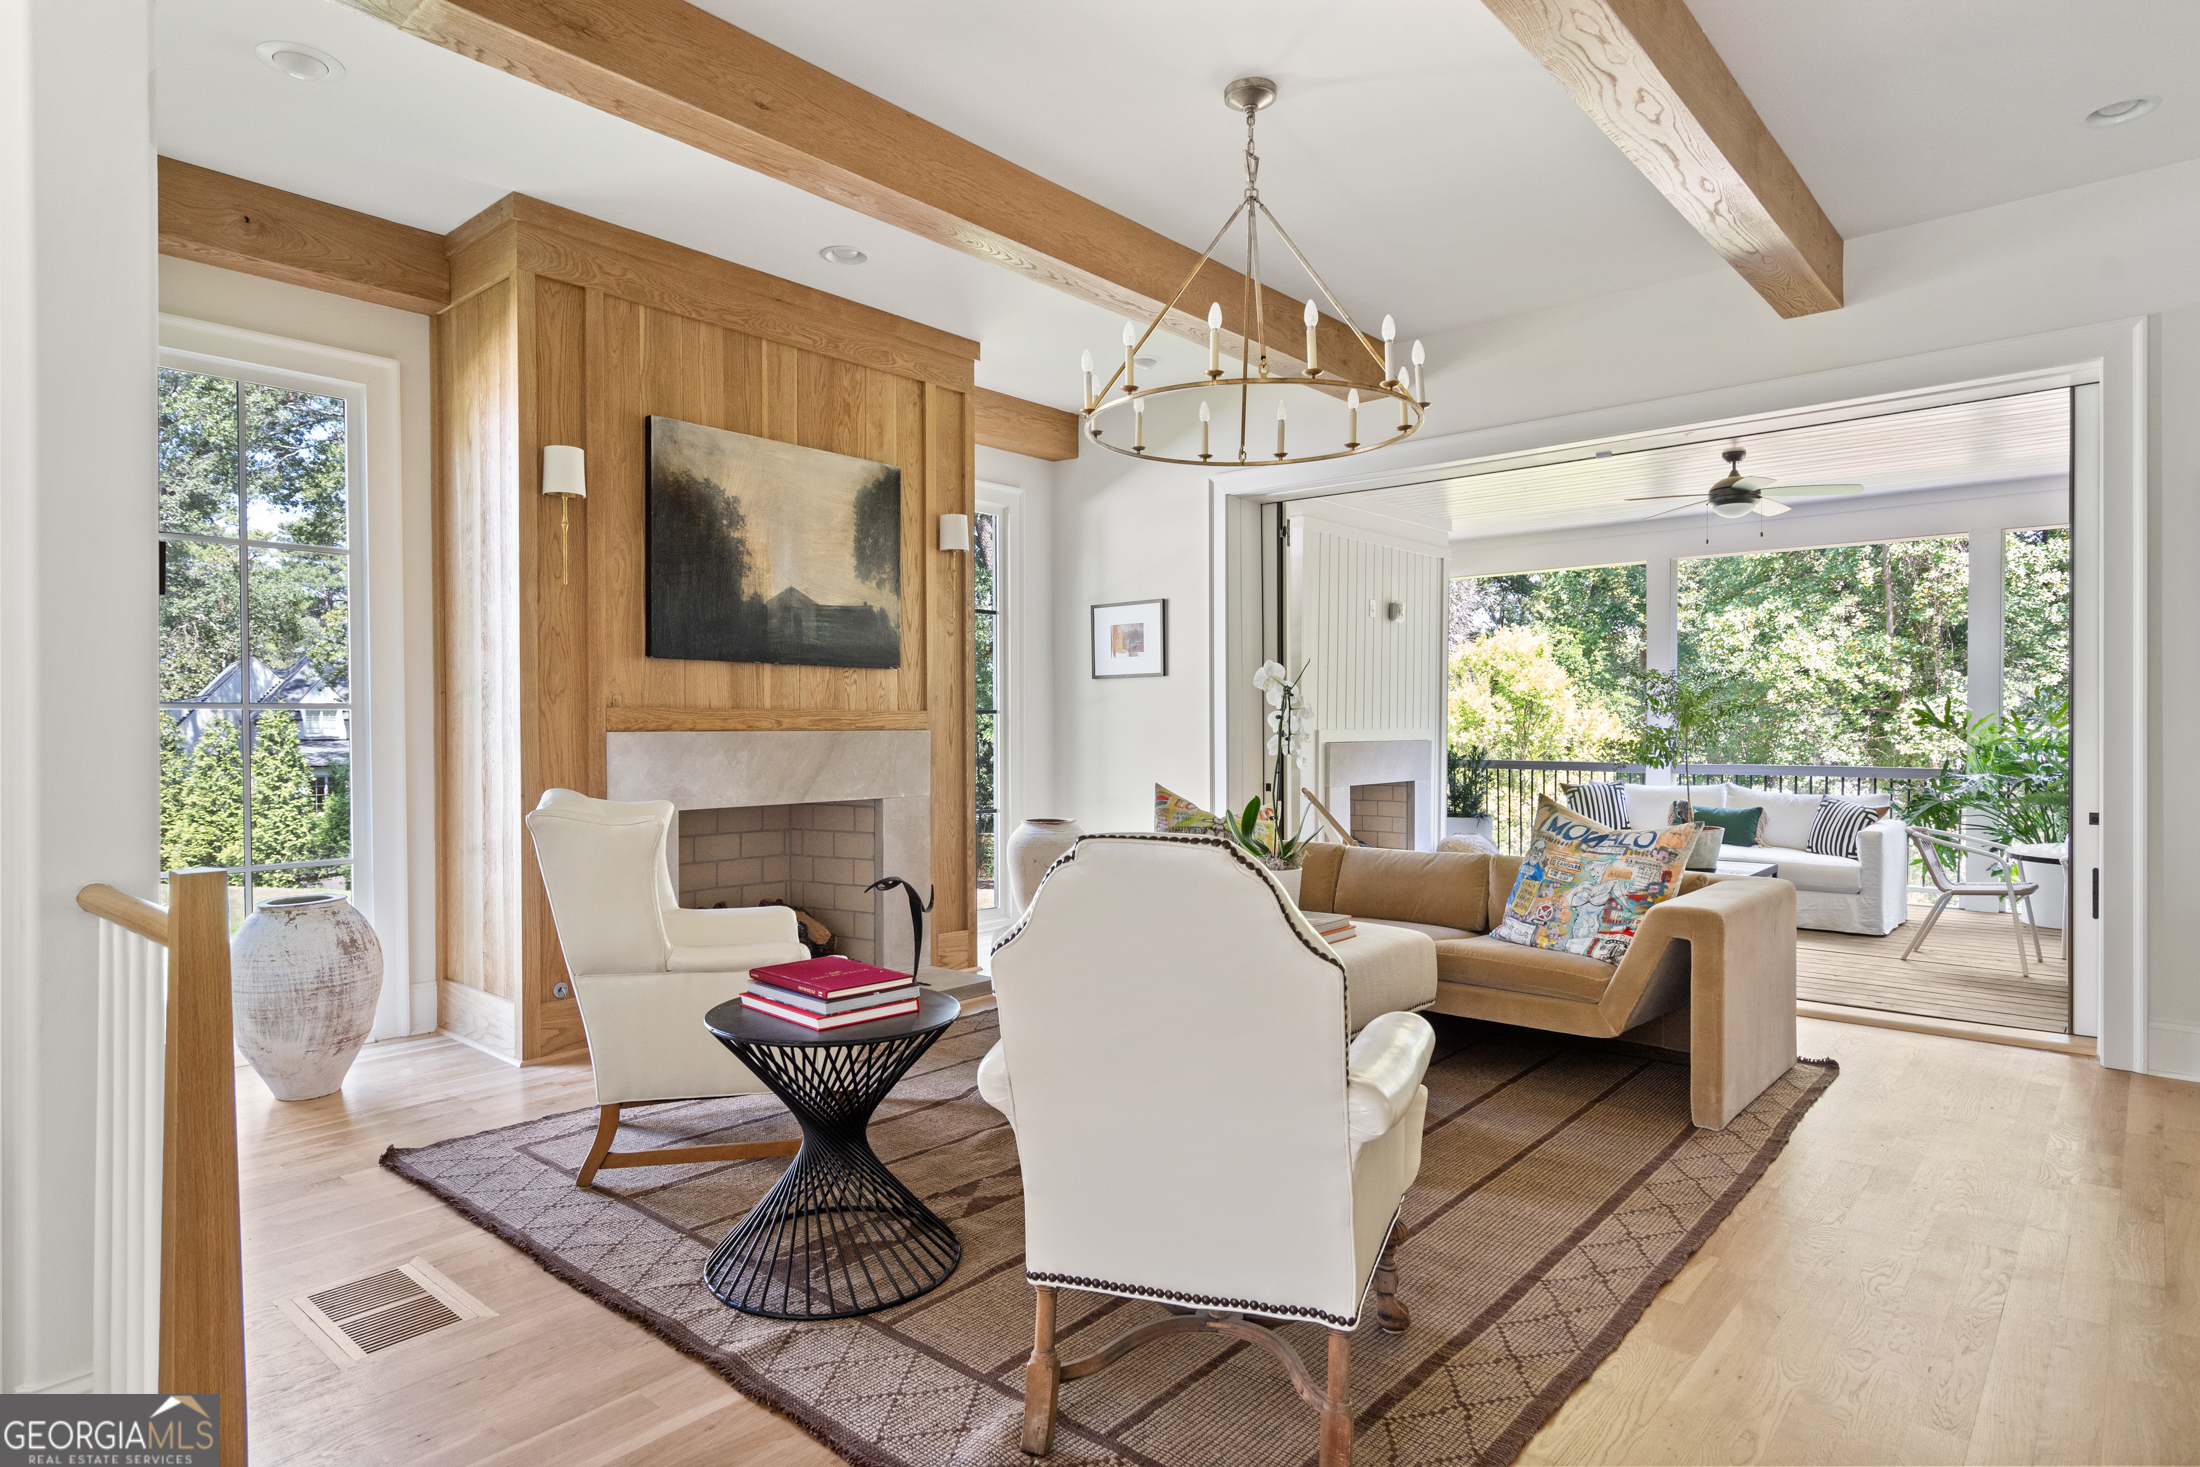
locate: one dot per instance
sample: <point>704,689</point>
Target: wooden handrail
<point>122,909</point>
<point>201,1245</point>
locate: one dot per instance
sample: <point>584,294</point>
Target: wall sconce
<point>565,474</point>
<point>955,532</point>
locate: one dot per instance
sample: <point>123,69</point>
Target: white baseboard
<point>2173,1050</point>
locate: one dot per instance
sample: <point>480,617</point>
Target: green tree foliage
<point>1826,650</point>
<point>1512,695</point>
<point>197,457</point>
<point>1592,618</point>
<point>209,802</point>
<point>286,818</point>
<point>2036,617</point>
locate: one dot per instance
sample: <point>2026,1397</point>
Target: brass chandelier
<point>1392,378</point>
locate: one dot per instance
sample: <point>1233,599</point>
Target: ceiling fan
<point>1735,496</point>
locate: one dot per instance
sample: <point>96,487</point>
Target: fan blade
<point>1821,489</point>
<point>1770,507</point>
<point>1676,509</point>
<point>1646,498</point>
<point>1755,481</point>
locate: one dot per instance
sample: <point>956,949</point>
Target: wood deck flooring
<point>1967,970</point>
<point>1967,1253</point>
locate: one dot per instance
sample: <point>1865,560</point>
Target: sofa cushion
<point>1387,970</point>
<point>1583,889</point>
<point>1429,929</point>
<point>1485,962</point>
<point>1440,888</point>
<point>1807,870</point>
<point>1839,822</point>
<point>1604,801</point>
<point>1788,816</point>
<point>1650,806</point>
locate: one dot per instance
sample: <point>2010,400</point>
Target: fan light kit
<point>842,255</point>
<point>1734,496</point>
<point>1311,392</point>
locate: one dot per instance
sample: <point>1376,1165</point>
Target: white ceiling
<point>1980,442</point>
<point>1428,165</point>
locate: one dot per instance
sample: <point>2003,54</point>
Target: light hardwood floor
<point>1968,1253</point>
<point>1967,970</point>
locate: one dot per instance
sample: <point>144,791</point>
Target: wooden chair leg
<point>1391,1315</point>
<point>1337,1413</point>
<point>607,1126</point>
<point>1042,1381</point>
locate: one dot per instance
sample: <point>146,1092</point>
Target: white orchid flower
<point>1273,745</point>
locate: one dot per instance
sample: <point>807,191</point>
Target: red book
<point>831,977</point>
<point>823,1022</point>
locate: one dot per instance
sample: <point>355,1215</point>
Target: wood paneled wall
<point>567,330</point>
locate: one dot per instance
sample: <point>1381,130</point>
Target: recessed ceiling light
<point>300,62</point>
<point>842,255</point>
<point>2131,109</point>
<point>1147,364</point>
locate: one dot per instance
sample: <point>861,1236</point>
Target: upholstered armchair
<point>646,970</point>
<point>1191,1124</point>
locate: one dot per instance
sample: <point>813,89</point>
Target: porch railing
<point>1515,784</point>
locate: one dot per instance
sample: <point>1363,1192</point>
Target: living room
<point>457,359</point>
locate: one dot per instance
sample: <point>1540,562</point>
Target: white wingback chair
<point>645,969</point>
<point>1191,1124</point>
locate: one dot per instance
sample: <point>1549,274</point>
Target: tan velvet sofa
<point>1712,971</point>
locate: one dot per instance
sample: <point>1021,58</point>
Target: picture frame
<point>1130,639</point>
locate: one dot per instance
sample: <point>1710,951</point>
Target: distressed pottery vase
<point>1035,845</point>
<point>305,973</point>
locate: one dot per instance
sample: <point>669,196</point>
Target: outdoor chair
<point>1930,844</point>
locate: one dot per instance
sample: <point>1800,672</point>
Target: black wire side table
<point>839,1235</point>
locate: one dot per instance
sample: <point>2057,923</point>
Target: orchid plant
<point>1257,829</point>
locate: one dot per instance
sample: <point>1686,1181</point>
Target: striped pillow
<point>1605,803</point>
<point>1835,830</point>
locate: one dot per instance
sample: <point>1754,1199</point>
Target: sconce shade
<point>954,532</point>
<point>564,471</point>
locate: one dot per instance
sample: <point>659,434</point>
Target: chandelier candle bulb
<point>1214,340</point>
<point>1088,381</point>
<point>1390,335</point>
<point>1313,319</point>
<point>1352,418</point>
<point>1130,357</point>
<point>1280,416</point>
<point>1138,421</point>
<point>1419,356</point>
<point>1205,450</point>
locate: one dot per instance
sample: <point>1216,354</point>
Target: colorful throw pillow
<point>1741,826</point>
<point>1583,889</point>
<point>1838,824</point>
<point>1171,811</point>
<point>1605,803</point>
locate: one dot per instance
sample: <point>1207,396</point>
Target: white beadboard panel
<point>126,1222</point>
<point>1365,672</point>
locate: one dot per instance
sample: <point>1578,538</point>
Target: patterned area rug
<point>1561,1184</point>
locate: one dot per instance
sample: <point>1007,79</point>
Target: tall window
<point>255,666</point>
<point>986,613</point>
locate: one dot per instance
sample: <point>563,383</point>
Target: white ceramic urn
<point>1032,848</point>
<point>305,973</point>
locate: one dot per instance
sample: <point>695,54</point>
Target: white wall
<point>2103,253</point>
<point>249,303</point>
<point>79,781</point>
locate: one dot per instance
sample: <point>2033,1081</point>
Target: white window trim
<point>379,777</point>
<point>1008,667</point>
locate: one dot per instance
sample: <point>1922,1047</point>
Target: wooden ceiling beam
<point>1028,428</point>
<point>219,219</point>
<point>680,71</point>
<point>1647,75</point>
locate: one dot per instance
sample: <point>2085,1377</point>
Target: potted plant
<point>1467,808</point>
<point>1258,829</point>
<point>2011,783</point>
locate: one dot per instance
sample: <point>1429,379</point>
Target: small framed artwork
<point>1131,639</point>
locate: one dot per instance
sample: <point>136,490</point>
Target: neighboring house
<point>324,734</point>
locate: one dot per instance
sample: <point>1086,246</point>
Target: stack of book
<point>1335,926</point>
<point>830,993</point>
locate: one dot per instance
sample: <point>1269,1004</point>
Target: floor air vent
<point>362,1317</point>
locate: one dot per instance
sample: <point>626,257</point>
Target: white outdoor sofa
<point>1868,894</point>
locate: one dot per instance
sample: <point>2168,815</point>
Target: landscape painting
<point>764,552</point>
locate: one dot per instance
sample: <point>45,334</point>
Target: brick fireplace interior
<point>817,857</point>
